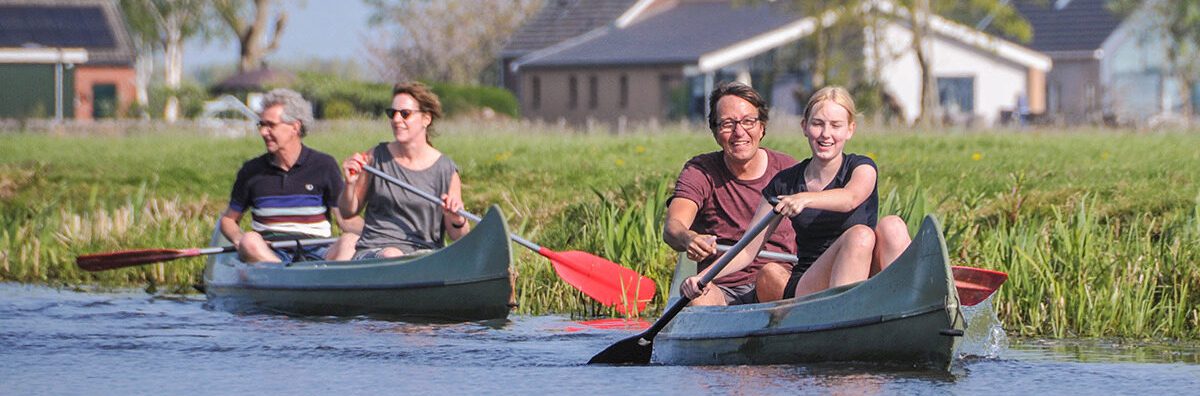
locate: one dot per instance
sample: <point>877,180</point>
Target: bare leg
<point>343,249</point>
<point>712,296</point>
<point>891,238</point>
<point>253,249</point>
<point>771,280</point>
<point>389,252</point>
<point>847,261</point>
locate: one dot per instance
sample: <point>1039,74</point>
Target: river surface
<point>62,342</point>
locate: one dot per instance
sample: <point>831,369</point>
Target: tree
<point>443,40</point>
<point>163,25</point>
<point>249,23</point>
<point>1180,21</point>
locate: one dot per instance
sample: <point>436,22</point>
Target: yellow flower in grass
<point>620,162</point>
<point>503,156</point>
<point>639,149</point>
<point>1104,156</point>
<point>976,156</point>
<point>872,156</point>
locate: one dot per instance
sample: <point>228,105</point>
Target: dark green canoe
<point>907,314</point>
<point>467,280</point>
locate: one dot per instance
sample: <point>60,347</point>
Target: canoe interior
<point>467,280</point>
<point>906,314</point>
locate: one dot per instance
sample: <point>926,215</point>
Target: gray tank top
<point>398,218</point>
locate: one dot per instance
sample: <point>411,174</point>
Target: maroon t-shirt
<point>727,206</point>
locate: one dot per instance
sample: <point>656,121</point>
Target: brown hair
<point>426,99</point>
<point>835,94</point>
<point>740,90</point>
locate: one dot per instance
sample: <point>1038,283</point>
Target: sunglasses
<point>404,113</point>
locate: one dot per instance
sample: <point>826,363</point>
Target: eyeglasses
<point>747,123</point>
<point>404,113</point>
<point>269,124</point>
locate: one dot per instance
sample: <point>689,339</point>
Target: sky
<point>316,29</point>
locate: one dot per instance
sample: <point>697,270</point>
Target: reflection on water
<point>63,342</point>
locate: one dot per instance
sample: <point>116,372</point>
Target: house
<point>557,21</point>
<point>660,58</point>
<point>64,59</point>
<point>1107,67</point>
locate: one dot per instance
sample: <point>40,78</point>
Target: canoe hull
<point>907,315</point>
<point>468,280</point>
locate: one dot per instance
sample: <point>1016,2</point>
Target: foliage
<point>447,40</point>
<point>367,99</point>
<point>191,99</point>
<point>1097,230</point>
<point>248,21</point>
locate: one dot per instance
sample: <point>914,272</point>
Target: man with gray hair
<point>290,190</point>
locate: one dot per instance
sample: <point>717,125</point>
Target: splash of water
<point>985,336</point>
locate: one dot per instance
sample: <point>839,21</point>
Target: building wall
<point>88,77</point>
<point>648,93</point>
<point>997,82</point>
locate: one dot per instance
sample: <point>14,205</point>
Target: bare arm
<point>230,226</point>
<point>451,203</point>
<point>350,202</point>
<point>862,183</point>
<point>348,225</point>
<point>677,231</point>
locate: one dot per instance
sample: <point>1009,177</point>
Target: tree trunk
<point>920,24</point>
<point>173,66</point>
<point>143,71</point>
<point>251,38</point>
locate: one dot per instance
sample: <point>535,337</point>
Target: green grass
<point>1097,229</point>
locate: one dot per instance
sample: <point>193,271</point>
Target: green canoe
<point>907,314</point>
<point>467,280</point>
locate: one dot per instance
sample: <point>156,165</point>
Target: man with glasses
<point>291,190</point>
<point>716,195</point>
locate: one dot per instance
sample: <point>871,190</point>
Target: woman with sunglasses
<point>396,221</point>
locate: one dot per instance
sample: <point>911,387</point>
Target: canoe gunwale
<point>812,328</point>
<point>385,286</point>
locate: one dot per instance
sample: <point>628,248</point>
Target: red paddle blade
<point>976,284</point>
<point>605,281</point>
<point>130,258</point>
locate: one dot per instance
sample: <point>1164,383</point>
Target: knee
<point>860,236</point>
<point>772,273</point>
<point>891,226</point>
<point>391,252</point>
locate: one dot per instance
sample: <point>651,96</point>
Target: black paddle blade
<point>628,351</point>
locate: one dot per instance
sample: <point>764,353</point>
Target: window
<point>572,93</point>
<point>537,93</point>
<point>956,95</point>
<point>593,95</point>
<point>623,99</point>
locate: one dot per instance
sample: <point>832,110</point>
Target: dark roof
<point>94,25</point>
<point>559,20</point>
<point>680,34</point>
<point>1082,25</point>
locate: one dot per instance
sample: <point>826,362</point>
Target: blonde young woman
<point>396,221</point>
<point>832,202</point>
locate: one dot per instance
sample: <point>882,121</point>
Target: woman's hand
<point>701,246</point>
<point>690,287</point>
<point>451,205</point>
<point>352,167</point>
<point>791,205</point>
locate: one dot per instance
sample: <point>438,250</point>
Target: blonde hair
<point>835,94</point>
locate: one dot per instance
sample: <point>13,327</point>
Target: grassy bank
<point>1097,229</point>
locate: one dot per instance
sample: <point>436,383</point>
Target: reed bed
<point>1098,230</point>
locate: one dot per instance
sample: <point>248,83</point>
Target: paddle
<point>637,349</point>
<point>974,284</point>
<point>130,258</point>
<point>605,281</point>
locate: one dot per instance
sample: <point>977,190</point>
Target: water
<point>65,342</point>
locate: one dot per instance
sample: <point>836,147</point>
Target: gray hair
<point>295,108</point>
